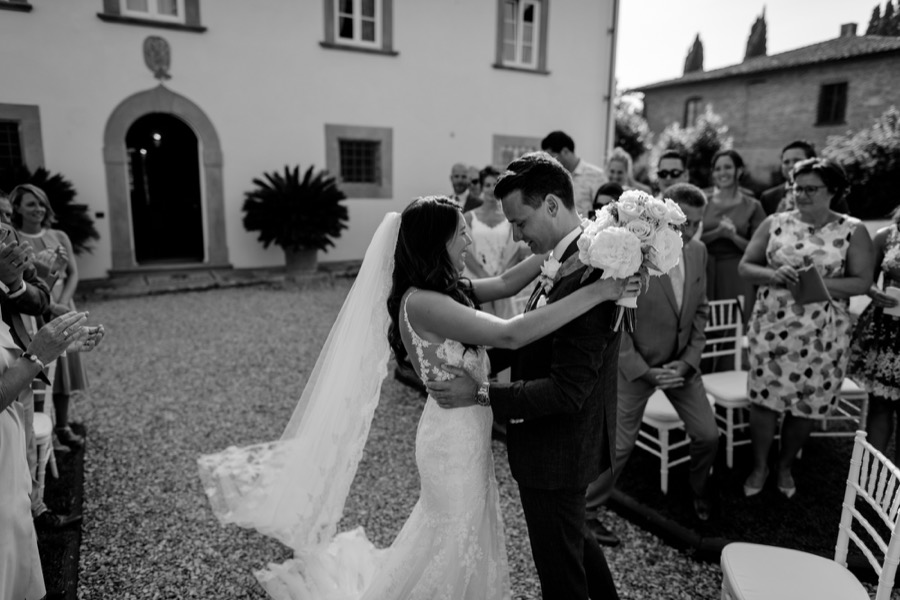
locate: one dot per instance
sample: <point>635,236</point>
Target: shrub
<point>632,132</point>
<point>698,143</point>
<point>871,158</point>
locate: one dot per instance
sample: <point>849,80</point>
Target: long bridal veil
<point>294,489</point>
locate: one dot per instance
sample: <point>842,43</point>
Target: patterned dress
<point>798,353</point>
<point>875,351</point>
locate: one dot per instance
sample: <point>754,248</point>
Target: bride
<point>408,298</point>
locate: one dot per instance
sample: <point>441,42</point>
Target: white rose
<point>675,214</point>
<point>666,252</point>
<point>615,250</point>
<point>657,209</point>
<point>550,267</point>
<point>603,218</point>
<point>629,208</point>
<point>641,229</point>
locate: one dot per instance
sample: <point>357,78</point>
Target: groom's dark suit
<point>561,413</point>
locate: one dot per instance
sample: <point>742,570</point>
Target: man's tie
<point>676,276</point>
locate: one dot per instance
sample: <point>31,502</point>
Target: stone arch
<point>162,100</point>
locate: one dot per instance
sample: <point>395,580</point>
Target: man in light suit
<point>663,353</point>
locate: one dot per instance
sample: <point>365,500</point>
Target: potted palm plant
<point>300,215</point>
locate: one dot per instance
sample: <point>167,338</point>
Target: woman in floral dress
<point>875,351</point>
<point>799,352</point>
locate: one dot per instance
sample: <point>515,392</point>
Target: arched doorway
<point>164,181</point>
<point>207,153</point>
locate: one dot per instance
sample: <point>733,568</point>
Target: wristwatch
<point>34,359</point>
<point>482,397</point>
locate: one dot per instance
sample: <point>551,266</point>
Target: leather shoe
<point>604,536</point>
<point>701,508</point>
<point>66,436</point>
<point>52,521</point>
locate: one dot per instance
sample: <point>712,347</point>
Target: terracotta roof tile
<point>841,48</point>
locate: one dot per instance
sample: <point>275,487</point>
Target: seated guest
<point>798,352</point>
<point>875,350</point>
<point>606,193</point>
<point>663,353</point>
<point>620,169</point>
<point>790,155</point>
<point>729,223</point>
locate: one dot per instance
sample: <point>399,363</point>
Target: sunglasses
<point>670,174</point>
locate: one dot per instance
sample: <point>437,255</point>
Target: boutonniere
<point>541,301</point>
<point>548,274</point>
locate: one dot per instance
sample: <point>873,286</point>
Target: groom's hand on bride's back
<point>453,393</point>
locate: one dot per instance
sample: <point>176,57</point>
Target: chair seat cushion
<point>849,389</point>
<point>43,426</point>
<point>659,409</point>
<point>728,387</point>
<point>758,572</point>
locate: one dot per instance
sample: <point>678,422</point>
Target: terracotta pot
<point>300,261</point>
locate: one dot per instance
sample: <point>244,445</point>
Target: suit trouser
<point>693,408</point>
<point>569,562</point>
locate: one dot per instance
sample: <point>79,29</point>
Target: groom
<point>561,404</point>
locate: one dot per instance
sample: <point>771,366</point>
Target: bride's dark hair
<point>421,260</point>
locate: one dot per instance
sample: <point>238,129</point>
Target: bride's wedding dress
<point>452,546</point>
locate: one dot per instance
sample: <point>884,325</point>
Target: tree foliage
<point>871,159</point>
<point>296,213</point>
<point>74,219</point>
<point>632,132</point>
<point>756,42</point>
<point>694,60</point>
<point>886,23</point>
<point>698,143</point>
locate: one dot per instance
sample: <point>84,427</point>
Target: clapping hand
<point>14,259</point>
<point>58,335</point>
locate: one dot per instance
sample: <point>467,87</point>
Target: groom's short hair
<point>535,175</point>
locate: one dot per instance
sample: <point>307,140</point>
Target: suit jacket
<point>471,203</point>
<point>561,404</point>
<point>34,301</point>
<point>771,198</point>
<point>662,332</point>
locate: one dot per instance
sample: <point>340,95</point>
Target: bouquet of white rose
<point>636,234</point>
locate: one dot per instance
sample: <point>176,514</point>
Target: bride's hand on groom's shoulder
<point>453,393</point>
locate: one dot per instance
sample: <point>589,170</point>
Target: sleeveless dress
<point>798,353</point>
<point>493,247</point>
<point>20,564</point>
<point>875,351</point>
<point>452,546</point>
<point>71,377</point>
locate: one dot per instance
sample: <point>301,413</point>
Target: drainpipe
<point>613,33</point>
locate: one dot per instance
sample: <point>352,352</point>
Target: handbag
<point>810,287</point>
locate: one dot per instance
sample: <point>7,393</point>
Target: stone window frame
<point>385,30</point>
<point>28,117</point>
<point>112,13</point>
<point>837,85</point>
<point>521,142</point>
<point>384,136</point>
<point>16,5</point>
<point>540,64</point>
<point>693,108</point>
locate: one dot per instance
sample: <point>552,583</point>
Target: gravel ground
<point>185,374</point>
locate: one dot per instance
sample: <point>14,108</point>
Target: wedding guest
<point>586,178</point>
<point>798,352</point>
<point>791,154</point>
<point>6,209</point>
<point>493,250</point>
<point>620,169</point>
<point>474,175</point>
<point>33,218</point>
<point>875,350</point>
<point>606,193</point>
<point>461,196</point>
<point>729,223</point>
<point>663,352</point>
<point>20,564</point>
<point>671,168</point>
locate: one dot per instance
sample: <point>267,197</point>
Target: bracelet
<point>34,359</point>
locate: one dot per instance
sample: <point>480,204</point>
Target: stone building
<point>809,93</point>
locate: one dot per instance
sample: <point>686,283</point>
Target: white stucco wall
<point>268,87</point>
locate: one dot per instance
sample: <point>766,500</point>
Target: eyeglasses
<point>809,190</point>
<point>672,174</point>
